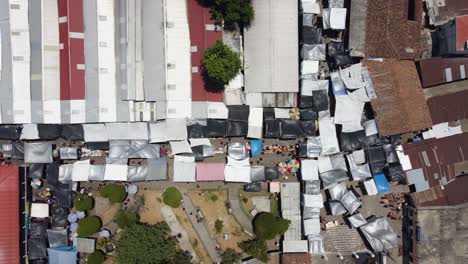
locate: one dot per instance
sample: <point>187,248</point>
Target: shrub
<point>256,248</point>
<point>88,226</point>
<point>83,202</point>
<point>267,226</point>
<point>214,198</point>
<point>219,226</point>
<point>97,257</point>
<point>220,65</point>
<point>230,256</point>
<point>172,197</point>
<point>116,193</point>
<point>126,218</point>
<point>245,200</point>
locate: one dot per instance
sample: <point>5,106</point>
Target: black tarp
<point>196,130</point>
<point>10,132</point>
<point>52,173</point>
<point>312,187</point>
<point>197,152</point>
<point>72,132</point>
<point>37,229</point>
<point>290,129</point>
<point>377,159</point>
<point>311,35</point>
<point>63,195</point>
<point>301,150</point>
<point>337,56</point>
<point>390,154</point>
<point>37,248</point>
<point>321,101</point>
<point>57,237</point>
<point>36,170</point>
<point>268,113</point>
<point>253,187</point>
<point>237,128</point>
<point>239,112</point>
<point>308,114</point>
<point>352,141</point>
<point>306,102</point>
<point>216,128</point>
<point>17,151</point>
<point>271,128</point>
<point>395,173</point>
<point>308,128</point>
<point>49,131</point>
<point>97,145</point>
<point>58,216</point>
<point>271,173</point>
<point>257,173</point>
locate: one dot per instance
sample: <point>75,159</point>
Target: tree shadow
<point>211,85</point>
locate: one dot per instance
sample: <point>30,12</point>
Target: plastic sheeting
<point>168,130</point>
<point>62,255</point>
<point>334,18</point>
<point>311,35</point>
<point>37,248</point>
<point>377,159</point>
<point>348,113</point>
<point>63,195</point>
<point>72,132</point>
<point>350,202</point>
<point>338,191</point>
<point>314,147</point>
<point>29,132</point>
<point>68,153</point>
<point>57,237</point>
<point>184,169</point>
<point>310,7</point>
<point>179,147</point>
<point>80,170</point>
<point>237,171</point>
<point>361,172</point>
<point>330,178</point>
<point>271,128</point>
<point>157,169</point>
<point>197,129</point>
<point>290,129</point>
<point>58,216</point>
<point>271,173</point>
<point>128,131</point>
<point>133,150</point>
<point>328,134</point>
<point>308,114</point>
<point>312,200</point>
<point>315,52</point>
<point>312,187</point>
<point>137,173</point>
<point>255,123</point>
<point>382,184</point>
<point>237,128</point>
<point>39,210</point>
<point>216,128</point>
<point>256,147</point>
<point>257,173</point>
<point>309,170</point>
<point>38,152</point>
<point>116,172</point>
<point>96,172</point>
<point>336,208</point>
<point>379,234</point>
<point>95,133</point>
<point>36,170</point>
<point>238,112</point>
<point>49,131</point>
<point>311,227</point>
<point>10,132</point>
<point>352,141</point>
<point>357,220</point>
<point>237,151</point>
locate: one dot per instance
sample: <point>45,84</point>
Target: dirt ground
<point>150,211</point>
<point>248,206</point>
<point>213,210</point>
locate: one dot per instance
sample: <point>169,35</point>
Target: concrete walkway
<point>239,214</point>
<point>208,241</point>
<point>176,229</point>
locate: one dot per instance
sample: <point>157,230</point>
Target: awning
<point>207,171</point>
<point>116,172</point>
<point>184,169</point>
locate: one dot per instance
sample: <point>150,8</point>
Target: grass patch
<point>219,226</point>
<point>172,197</point>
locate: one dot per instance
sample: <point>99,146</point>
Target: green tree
<point>256,248</point>
<point>126,218</point>
<point>181,257</point>
<point>267,226</point>
<point>230,256</point>
<point>97,257</point>
<point>88,226</point>
<point>220,65</point>
<point>172,197</point>
<point>234,14</point>
<point>115,192</point>
<point>145,244</point>
<point>219,226</point>
<point>83,202</point>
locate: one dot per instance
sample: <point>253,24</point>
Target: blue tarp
<point>256,146</point>
<point>63,255</point>
<point>382,183</point>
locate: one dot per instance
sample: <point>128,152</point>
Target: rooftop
<point>296,259</point>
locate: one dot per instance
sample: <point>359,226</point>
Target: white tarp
<point>80,171</point>
<point>199,142</point>
<point>38,152</point>
<point>371,189</point>
<point>357,220</point>
<point>168,130</point>
<point>328,134</point>
<point>315,52</point>
<point>348,113</point>
<point>95,133</point>
<point>310,85</point>
<point>30,131</point>
<point>39,210</point>
<point>370,127</point>
<point>404,159</point>
<point>313,200</point>
<point>237,170</point>
<point>65,172</point>
<point>179,147</point>
<point>338,18</point>
<point>444,130</point>
<point>255,122</point>
<point>312,227</point>
<point>326,18</point>
<point>282,113</point>
<point>184,169</point>
<point>116,172</point>
<point>309,170</point>
<point>309,67</point>
<point>310,7</point>
<point>295,246</point>
<point>352,76</point>
<point>127,131</point>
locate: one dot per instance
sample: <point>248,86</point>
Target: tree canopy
<point>230,256</point>
<point>234,14</point>
<point>97,257</point>
<point>257,248</point>
<point>172,197</point>
<point>115,192</point>
<point>267,226</point>
<point>220,65</point>
<point>83,202</point>
<point>88,226</point>
<point>145,244</point>
<point>126,218</point>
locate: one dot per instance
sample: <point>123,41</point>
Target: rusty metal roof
<point>437,70</point>
<point>449,107</point>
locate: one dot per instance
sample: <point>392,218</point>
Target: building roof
<point>296,259</point>
<point>438,70</point>
<point>400,105</point>
<point>452,194</point>
<point>389,31</point>
<point>201,38</point>
<point>462,32</point>
<point>449,107</point>
<point>271,46</point>
<point>9,218</point>
<point>437,157</point>
<point>441,11</point>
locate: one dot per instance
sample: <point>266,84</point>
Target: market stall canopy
<point>38,152</point>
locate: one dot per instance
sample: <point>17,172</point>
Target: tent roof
<point>9,205</point>
<point>62,255</point>
<point>382,183</point>
<point>184,169</point>
<point>207,171</point>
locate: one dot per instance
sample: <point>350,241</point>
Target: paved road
<point>208,242</point>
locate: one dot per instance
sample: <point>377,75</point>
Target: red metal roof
<point>449,107</point>
<point>9,214</point>
<point>72,79</point>
<point>201,38</point>
<point>432,70</point>
<point>462,32</point>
